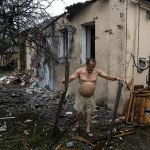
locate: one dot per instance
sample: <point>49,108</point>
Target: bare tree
<point>22,20</point>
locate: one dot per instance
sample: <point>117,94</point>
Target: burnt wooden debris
<point>120,85</point>
<point>34,112</point>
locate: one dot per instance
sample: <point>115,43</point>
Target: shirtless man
<point>85,93</point>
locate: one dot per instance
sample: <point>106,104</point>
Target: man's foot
<point>89,133</point>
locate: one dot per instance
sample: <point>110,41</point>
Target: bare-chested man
<point>85,94</point>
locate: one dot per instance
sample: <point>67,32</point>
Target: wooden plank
<point>129,84</point>
<point>146,117</point>
<point>124,134</point>
<point>58,147</point>
<point>132,111</point>
<point>129,107</point>
<point>141,93</point>
<point>79,138</point>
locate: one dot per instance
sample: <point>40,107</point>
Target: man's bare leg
<point>79,119</point>
<point>89,121</point>
<point>88,129</point>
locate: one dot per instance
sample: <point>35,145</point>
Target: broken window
<point>87,41</point>
<point>65,43</point>
<point>148,15</point>
<point>49,38</point>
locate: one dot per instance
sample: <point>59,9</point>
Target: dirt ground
<point>27,119</point>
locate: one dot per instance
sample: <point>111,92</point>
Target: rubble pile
<point>21,79</point>
<point>27,119</point>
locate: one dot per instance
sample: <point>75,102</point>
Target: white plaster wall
<point>138,41</point>
<point>98,12</point>
<point>117,46</point>
<point>95,12</point>
<point>30,56</point>
<point>114,46</point>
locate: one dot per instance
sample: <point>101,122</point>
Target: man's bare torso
<point>87,81</point>
<point>84,76</point>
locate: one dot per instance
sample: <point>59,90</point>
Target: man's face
<point>90,66</point>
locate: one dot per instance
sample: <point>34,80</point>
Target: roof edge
<point>143,4</point>
<point>73,9</point>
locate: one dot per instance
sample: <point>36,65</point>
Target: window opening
<point>87,41</point>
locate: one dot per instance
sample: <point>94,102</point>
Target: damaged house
<point>114,32</point>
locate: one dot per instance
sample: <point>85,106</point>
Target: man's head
<point>90,64</point>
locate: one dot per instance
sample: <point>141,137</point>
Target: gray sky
<point>58,6</point>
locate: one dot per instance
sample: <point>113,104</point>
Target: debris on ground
<point>21,79</point>
<point>28,114</point>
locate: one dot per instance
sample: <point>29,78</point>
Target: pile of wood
<point>139,107</point>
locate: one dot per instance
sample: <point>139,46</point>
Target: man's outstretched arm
<point>106,76</point>
<point>73,76</point>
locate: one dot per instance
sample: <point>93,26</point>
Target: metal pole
<point>120,85</point>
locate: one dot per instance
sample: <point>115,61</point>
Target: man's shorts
<point>83,103</point>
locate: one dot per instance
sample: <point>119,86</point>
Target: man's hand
<point>119,79</point>
<point>63,81</point>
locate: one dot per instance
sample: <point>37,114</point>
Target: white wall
<point>114,44</point>
<point>108,46</point>
<point>138,41</point>
<point>117,46</point>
